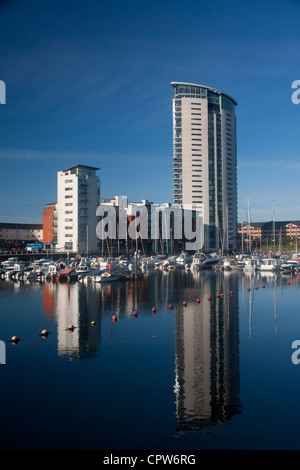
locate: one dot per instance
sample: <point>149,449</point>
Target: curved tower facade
<point>205,159</point>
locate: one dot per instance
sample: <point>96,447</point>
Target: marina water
<point>195,373</point>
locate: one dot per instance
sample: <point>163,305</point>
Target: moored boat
<point>251,264</point>
<point>67,274</point>
<point>106,277</point>
<point>269,264</point>
<point>232,264</point>
<point>204,261</point>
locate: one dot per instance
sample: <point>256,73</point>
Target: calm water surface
<point>214,374</point>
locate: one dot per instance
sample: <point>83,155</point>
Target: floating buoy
<point>44,333</point>
<point>14,340</point>
<point>289,283</point>
<point>135,313</point>
<point>209,297</point>
<point>249,289</point>
<point>231,292</point>
<point>93,323</point>
<point>184,303</point>
<point>218,296</point>
<point>153,310</point>
<point>256,287</point>
<point>170,307</point>
<point>263,286</point>
<point>114,318</point>
<point>198,301</point>
<point>276,284</point>
<point>71,327</point>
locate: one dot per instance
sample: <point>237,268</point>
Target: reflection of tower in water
<point>74,305</point>
<point>207,355</point>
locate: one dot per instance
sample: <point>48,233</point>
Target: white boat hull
<point>105,277</point>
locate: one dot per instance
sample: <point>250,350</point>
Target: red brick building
<point>49,223</point>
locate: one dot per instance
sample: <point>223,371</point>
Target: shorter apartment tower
<point>78,195</point>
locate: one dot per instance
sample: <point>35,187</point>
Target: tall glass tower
<point>205,161</point>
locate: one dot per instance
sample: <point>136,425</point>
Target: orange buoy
<point>114,318</point>
<point>135,313</point>
<point>276,284</point>
<point>153,310</point>
<point>256,287</point>
<point>184,303</point>
<point>209,297</point>
<point>289,283</point>
<point>14,340</point>
<point>170,307</point>
<point>218,296</point>
<point>231,292</point>
<point>249,289</point>
<point>44,333</point>
<point>263,286</point>
<point>198,301</point>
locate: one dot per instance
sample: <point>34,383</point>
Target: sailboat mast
<point>249,220</point>
<point>242,238</point>
<point>274,225</point>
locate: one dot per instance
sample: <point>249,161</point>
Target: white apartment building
<point>205,161</point>
<point>78,195</point>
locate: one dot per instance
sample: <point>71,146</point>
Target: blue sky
<point>89,83</point>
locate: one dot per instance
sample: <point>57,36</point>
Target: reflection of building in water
<point>207,355</point>
<point>73,304</point>
<point>48,300</point>
<point>249,282</point>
